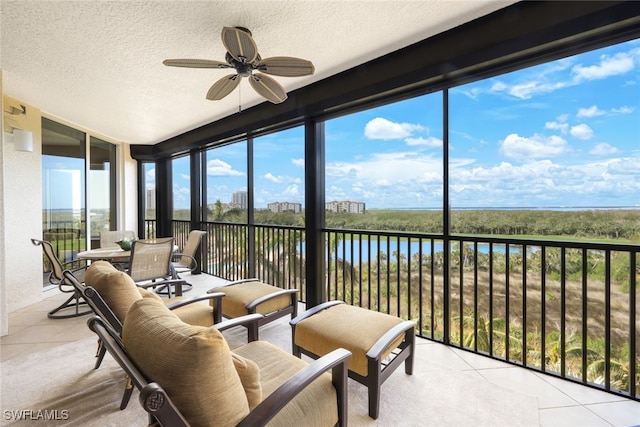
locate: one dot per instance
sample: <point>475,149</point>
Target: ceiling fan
<point>242,54</point>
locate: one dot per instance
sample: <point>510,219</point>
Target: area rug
<point>61,384</point>
<point>60,387</point>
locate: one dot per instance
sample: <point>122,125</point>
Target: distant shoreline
<point>523,208</point>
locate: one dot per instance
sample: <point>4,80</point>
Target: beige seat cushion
<point>119,292</point>
<point>346,326</point>
<point>197,313</point>
<point>316,405</point>
<point>192,363</point>
<point>234,303</point>
<point>117,288</point>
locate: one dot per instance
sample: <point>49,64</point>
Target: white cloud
<point>548,79</point>
<point>537,146</point>
<point>217,167</point>
<point>603,149</point>
<point>625,109</point>
<point>499,87</point>
<point>473,93</point>
<point>530,89</point>
<point>581,131</point>
<point>150,178</point>
<point>272,178</point>
<point>545,183</point>
<point>562,127</point>
<point>291,190</point>
<point>392,170</point>
<point>281,179</point>
<point>592,111</point>
<point>430,141</point>
<point>619,63</point>
<point>384,129</point>
<point>298,162</point>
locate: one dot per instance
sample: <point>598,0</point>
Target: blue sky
<point>565,133</point>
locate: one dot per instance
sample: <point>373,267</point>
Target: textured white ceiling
<point>99,63</point>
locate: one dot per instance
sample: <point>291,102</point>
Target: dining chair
<point>57,278</point>
<point>150,266</point>
<point>109,239</point>
<point>185,261</point>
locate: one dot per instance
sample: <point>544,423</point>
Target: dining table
<point>115,255</point>
<point>109,254</point>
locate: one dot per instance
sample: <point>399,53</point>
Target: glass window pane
<point>226,174</point>
<point>558,137</point>
<point>149,185</point>
<point>102,187</point>
<point>386,160</point>
<point>63,189</point>
<point>181,189</point>
<point>278,161</point>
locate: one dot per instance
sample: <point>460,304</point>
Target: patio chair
<point>255,384</point>
<point>56,277</point>
<point>186,261</point>
<point>150,266</point>
<point>111,292</point>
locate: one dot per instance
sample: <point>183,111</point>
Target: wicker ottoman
<point>379,343</point>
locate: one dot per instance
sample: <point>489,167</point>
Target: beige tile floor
<point>560,403</point>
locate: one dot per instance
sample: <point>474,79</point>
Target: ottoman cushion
<point>354,328</point>
<point>234,303</point>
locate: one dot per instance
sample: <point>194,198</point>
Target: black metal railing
<point>67,238</point>
<point>569,309</point>
<point>564,308</point>
<point>150,226</point>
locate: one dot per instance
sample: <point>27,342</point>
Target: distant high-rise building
<point>150,200</point>
<point>278,207</point>
<point>239,200</point>
<point>345,206</point>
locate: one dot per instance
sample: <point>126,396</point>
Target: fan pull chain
<point>240,98</point>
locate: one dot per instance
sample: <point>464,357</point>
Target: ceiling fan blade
<point>223,87</point>
<point>195,63</point>
<point>268,88</point>
<point>239,44</point>
<point>285,66</point>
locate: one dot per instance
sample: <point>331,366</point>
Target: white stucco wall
<point>4,308</point>
<point>22,217</point>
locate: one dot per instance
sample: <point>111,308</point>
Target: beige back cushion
<point>250,378</point>
<point>116,287</point>
<point>192,363</point>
